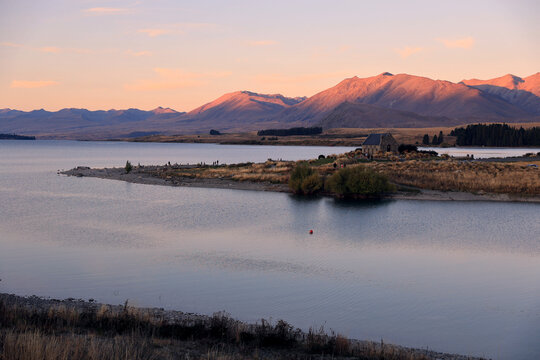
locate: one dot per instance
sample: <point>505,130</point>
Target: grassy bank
<point>33,328</point>
<point>422,171</point>
<point>474,177</point>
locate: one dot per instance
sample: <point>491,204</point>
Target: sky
<point>181,54</point>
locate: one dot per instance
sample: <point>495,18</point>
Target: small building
<point>379,143</point>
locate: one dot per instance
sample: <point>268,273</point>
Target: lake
<point>459,277</point>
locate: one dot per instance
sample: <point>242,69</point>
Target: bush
<point>128,167</point>
<point>407,148</point>
<point>214,132</point>
<point>358,182</point>
<point>305,180</point>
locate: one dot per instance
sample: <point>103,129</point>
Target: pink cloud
<point>138,53</point>
<point>408,51</point>
<point>105,11</point>
<point>179,28</point>
<point>25,84</point>
<point>10,44</point>
<point>464,43</point>
<point>154,32</point>
<point>50,49</point>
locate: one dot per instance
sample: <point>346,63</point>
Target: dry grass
<point>83,331</point>
<point>475,177</point>
<point>33,345</point>
<point>276,172</point>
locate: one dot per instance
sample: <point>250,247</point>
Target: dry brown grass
<point>271,171</point>
<point>33,345</point>
<point>453,175</point>
<point>81,331</point>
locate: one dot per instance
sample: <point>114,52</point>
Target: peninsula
<point>415,175</point>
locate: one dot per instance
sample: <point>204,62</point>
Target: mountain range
<point>385,100</point>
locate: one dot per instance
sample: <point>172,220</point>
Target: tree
<point>128,167</point>
<point>441,137</point>
<point>425,140</point>
<point>435,141</point>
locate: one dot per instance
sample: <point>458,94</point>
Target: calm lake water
<point>452,276</point>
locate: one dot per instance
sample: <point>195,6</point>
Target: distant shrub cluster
<point>358,181</point>
<point>352,182</point>
<point>305,180</point>
<point>403,148</point>
<point>496,135</point>
<point>292,131</point>
<point>214,132</point>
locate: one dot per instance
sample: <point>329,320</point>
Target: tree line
<point>292,131</point>
<point>437,140</point>
<point>496,135</point>
<point>16,137</point>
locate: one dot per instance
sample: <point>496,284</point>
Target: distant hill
<point>84,124</point>
<point>384,100</point>
<point>523,93</point>
<point>351,115</point>
<point>404,92</point>
<point>242,107</point>
<point>512,82</point>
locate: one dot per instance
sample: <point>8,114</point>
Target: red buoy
<point>311,232</point>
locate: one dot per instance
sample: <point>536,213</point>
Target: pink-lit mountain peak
<point>404,92</point>
<point>530,83</point>
<point>508,81</point>
<point>247,100</point>
<point>162,110</point>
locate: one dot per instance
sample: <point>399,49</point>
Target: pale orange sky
<point>120,54</point>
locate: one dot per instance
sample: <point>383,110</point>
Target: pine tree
<point>435,141</point>
<point>441,138</point>
<point>425,140</point>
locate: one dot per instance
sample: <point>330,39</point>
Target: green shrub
<point>305,180</point>
<point>128,167</point>
<point>358,181</point>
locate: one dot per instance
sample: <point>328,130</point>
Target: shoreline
<point>141,177</point>
<point>39,307</point>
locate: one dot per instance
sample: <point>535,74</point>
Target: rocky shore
<point>147,175</point>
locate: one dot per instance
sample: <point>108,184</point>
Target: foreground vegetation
<point>35,329</point>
